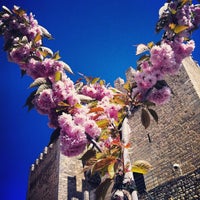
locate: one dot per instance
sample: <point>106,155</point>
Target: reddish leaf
<point>37,38</point>
<point>96,109</point>
<point>102,163</point>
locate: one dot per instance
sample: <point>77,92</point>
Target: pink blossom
<point>89,91</point>
<point>44,101</point>
<point>145,80</point>
<point>59,91</point>
<point>112,110</point>
<point>32,29</point>
<point>146,67</point>
<point>182,50</point>
<point>161,96</point>
<point>92,129</point>
<point>157,73</point>
<point>163,58</point>
<point>197,16</point>
<point>20,54</point>
<point>73,138</point>
<point>72,98</point>
<point>72,145</point>
<point>66,122</point>
<point>102,91</point>
<point>96,91</point>
<point>34,68</point>
<point>80,118</point>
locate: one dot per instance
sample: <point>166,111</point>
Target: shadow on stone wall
<point>182,188</point>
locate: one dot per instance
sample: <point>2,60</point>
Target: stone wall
<point>44,174</point>
<point>182,188</point>
<point>176,138</point>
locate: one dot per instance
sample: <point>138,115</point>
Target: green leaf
<point>127,86</point>
<point>37,38</point>
<point>145,118</point>
<point>23,72</point>
<point>87,155</point>
<point>7,9</point>
<point>111,170</point>
<point>141,166</point>
<point>142,59</point>
<point>84,98</point>
<point>45,51</point>
<point>58,76</point>
<point>103,123</point>
<point>178,29</point>
<point>38,82</point>
<point>56,56</point>
<point>78,86</point>
<point>45,32</point>
<point>18,11</point>
<point>42,87</point>
<point>153,114</point>
<point>67,68</point>
<point>29,100</point>
<point>103,188</point>
<point>102,82</point>
<point>94,80</point>
<point>8,45</point>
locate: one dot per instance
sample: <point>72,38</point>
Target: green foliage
<point>56,56</point>
<point>42,87</point>
<point>37,82</point>
<point>29,100</point>
<point>145,118</point>
<point>153,114</point>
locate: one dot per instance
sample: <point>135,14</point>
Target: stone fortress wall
<point>174,141</point>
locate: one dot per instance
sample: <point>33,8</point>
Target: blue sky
<point>95,37</point>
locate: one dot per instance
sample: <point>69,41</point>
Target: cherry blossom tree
<point>88,116</point>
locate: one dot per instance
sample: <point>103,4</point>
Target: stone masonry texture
<point>174,141</point>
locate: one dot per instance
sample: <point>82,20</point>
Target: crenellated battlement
<point>41,157</point>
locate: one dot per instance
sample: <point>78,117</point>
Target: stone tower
<point>54,176</point>
<point>171,146</point>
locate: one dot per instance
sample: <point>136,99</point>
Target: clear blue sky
<point>95,37</point>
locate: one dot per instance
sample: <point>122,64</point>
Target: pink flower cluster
<point>187,15</point>
<point>96,91</point>
<point>20,24</point>
<point>165,58</point>
<point>111,110</point>
<point>160,96</point>
<point>73,129</point>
